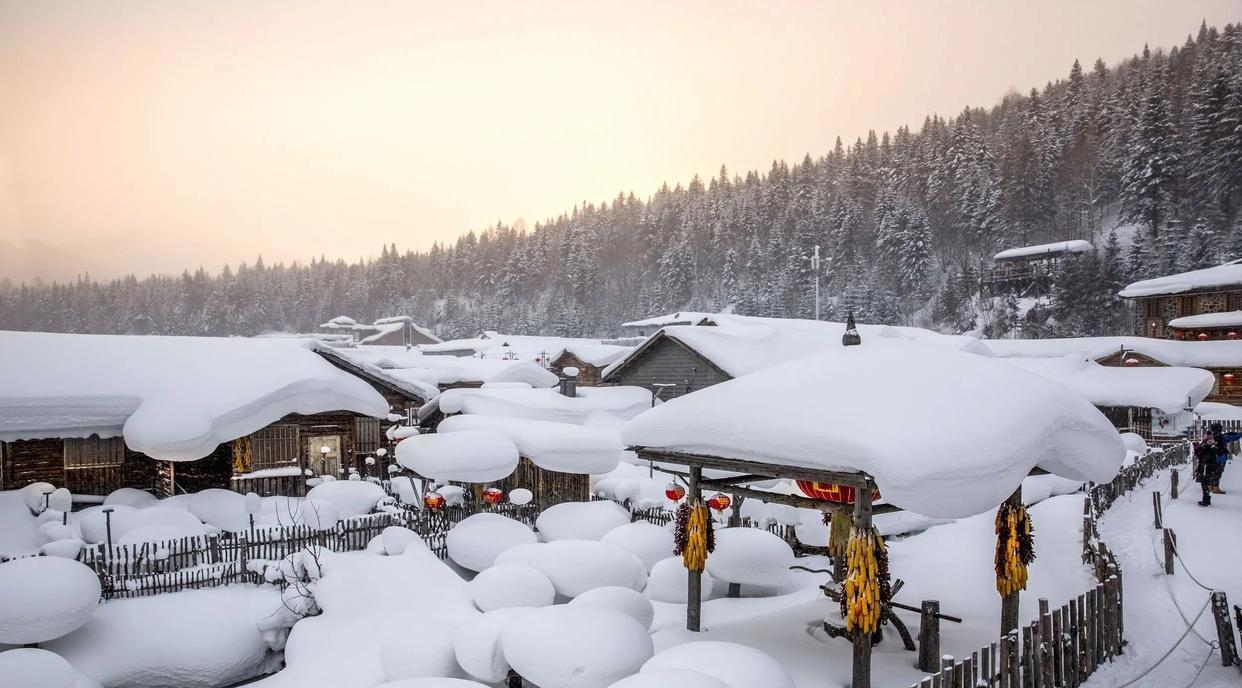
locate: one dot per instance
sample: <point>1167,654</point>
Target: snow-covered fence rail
<point>1060,649</point>
<point>1131,476</point>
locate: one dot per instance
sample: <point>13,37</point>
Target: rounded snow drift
<point>224,509</point>
<point>42,598</point>
<point>33,668</point>
<point>94,522</point>
<point>668,582</point>
<point>735,665</point>
<point>128,496</point>
<point>521,496</point>
<point>500,587</point>
<point>575,566</point>
<point>645,540</point>
<point>576,647</point>
<point>624,600</point>
<point>750,556</point>
<point>351,497</point>
<point>476,541</point>
<point>424,651</point>
<point>472,456</point>
<point>396,540</point>
<point>580,520</point>
<point>663,678</point>
<point>174,522</point>
<point>36,496</point>
<point>435,682</point>
<point>477,644</point>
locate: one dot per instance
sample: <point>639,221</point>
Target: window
<point>94,452</point>
<point>366,435</point>
<point>275,445</point>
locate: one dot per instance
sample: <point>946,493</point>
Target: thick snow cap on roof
<point>680,317</point>
<point>739,344</point>
<point>560,447</point>
<point>412,365</point>
<point>1207,278</point>
<point>474,456</point>
<point>1167,389</point>
<point>171,398</point>
<point>1054,249</point>
<point>943,433</point>
<point>1172,352</point>
<point>548,404</point>
<point>1205,320</point>
<point>598,355</point>
<point>340,321</point>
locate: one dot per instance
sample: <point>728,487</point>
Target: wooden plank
<point>856,480</point>
<point>1224,629</point>
<point>929,636</point>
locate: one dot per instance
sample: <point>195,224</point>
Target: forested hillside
<point>1152,146</point>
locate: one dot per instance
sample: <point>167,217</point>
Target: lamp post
<point>107,512</point>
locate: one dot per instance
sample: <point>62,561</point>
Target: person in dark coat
<point>1210,458</point>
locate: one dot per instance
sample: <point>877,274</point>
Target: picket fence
<point>1065,646</point>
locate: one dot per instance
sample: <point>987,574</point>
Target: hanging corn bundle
<point>693,537</point>
<point>839,524</point>
<point>1015,548</point>
<point>243,458</point>
<point>867,582</point>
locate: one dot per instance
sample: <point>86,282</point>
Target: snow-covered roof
<point>394,324</point>
<point>956,438</point>
<point>523,347</point>
<point>171,398</point>
<point>1167,389</point>
<point>739,345</point>
<point>598,355</point>
<point>1213,354</point>
<point>561,447</point>
<point>1229,274</point>
<point>1206,320</point>
<point>678,318</point>
<point>1215,410</point>
<point>601,408</point>
<point>1054,249</point>
<point>412,364</point>
<point>408,385</point>
<point>340,322</point>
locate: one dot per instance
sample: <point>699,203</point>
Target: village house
<point>1028,270</point>
<point>399,330</point>
<point>94,413</point>
<point>1198,305</point>
<point>589,359</point>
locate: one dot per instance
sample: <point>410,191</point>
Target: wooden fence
<point>1064,646</point>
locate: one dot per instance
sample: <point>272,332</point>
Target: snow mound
<point>69,548</point>
<point>580,520</point>
<point>129,496</point>
<point>423,651</point>
<point>34,668</point>
<point>94,523</point>
<point>396,540</point>
<point>645,540</point>
<point>560,447</point>
<point>624,600</point>
<point>454,495</point>
<point>1134,442</point>
<point>477,644</point>
<point>576,647</point>
<point>666,678</point>
<point>505,586</point>
<point>477,540</point>
<point>521,496</point>
<point>735,665</point>
<point>431,683</point>
<point>177,523</point>
<point>34,496</point>
<point>668,581</point>
<point>224,509</point>
<point>751,557</point>
<point>351,497</point>
<point>42,598</point>
<point>575,566</point>
<point>474,456</point>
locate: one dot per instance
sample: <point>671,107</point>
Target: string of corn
<point>243,459</point>
<point>694,553</point>
<point>839,525</point>
<point>864,592</point>
<point>1014,548</point>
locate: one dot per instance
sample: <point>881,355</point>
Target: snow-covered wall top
<point>171,398</point>
<point>1211,354</point>
<point>1229,274</point>
<point>739,344</point>
<point>1167,389</point>
<point>944,433</point>
<point>1203,320</point>
<point>1053,249</point>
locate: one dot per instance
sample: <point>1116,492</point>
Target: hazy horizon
<point>154,137</point>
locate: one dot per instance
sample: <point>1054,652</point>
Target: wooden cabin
<point>666,366</point>
<point>590,360</point>
<point>1028,270</point>
<point>1197,305</point>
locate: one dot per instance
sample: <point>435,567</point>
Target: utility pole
<point>815,269</point>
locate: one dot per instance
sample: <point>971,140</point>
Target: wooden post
<point>513,680</point>
<point>1173,485</point>
<point>1224,629</point>
<point>1169,548</point>
<point>862,641</point>
<point>735,521</point>
<point>1009,603</point>
<point>929,636</point>
<point>1155,507</point>
<point>1046,644</point>
<point>694,579</point>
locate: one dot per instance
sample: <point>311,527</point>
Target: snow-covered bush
<point>647,541</point>
<point>580,520</point>
<point>352,498</point>
<point>42,598</point>
<point>576,647</point>
<point>171,523</point>
<point>575,566</point>
<point>476,541</point>
<point>34,495</point>
<point>668,582</point>
<point>396,540</point>
<point>477,645</point>
<point>128,496</point>
<point>506,586</point>
<point>223,509</point>
<point>750,556</point>
<point>624,600</point>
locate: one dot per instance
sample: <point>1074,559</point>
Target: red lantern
<point>433,500</point>
<point>493,495</point>
<point>829,492</point>
<point>1232,335</point>
<point>1228,378</point>
<point>1132,361</point>
<point>674,492</point>
<point>719,501</point>
<point>1181,335</point>
<point>1203,336</point>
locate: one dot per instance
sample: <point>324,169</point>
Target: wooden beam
<point>743,466</point>
<point>778,498</point>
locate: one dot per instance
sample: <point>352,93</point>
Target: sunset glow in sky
<point>160,135</point>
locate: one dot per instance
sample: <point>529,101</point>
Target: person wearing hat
<point>1211,455</point>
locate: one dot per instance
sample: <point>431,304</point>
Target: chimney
<point>850,338</point>
<point>407,333</point>
<point>569,381</point>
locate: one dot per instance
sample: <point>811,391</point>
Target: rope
<point>1169,587</point>
<point>1189,628</point>
<point>1187,569</point>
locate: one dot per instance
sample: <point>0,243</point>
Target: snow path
<point>1152,620</point>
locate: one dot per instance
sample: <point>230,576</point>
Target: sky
<point>154,136</point>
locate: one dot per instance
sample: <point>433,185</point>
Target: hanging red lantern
<point>1203,336</point>
<point>433,500</point>
<point>829,492</point>
<point>1180,335</point>
<point>674,492</point>
<point>1132,361</point>
<point>719,501</point>
<point>1232,335</point>
<point>1228,378</point>
<point>493,495</point>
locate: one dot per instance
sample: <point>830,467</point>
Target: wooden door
<point>324,462</point>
